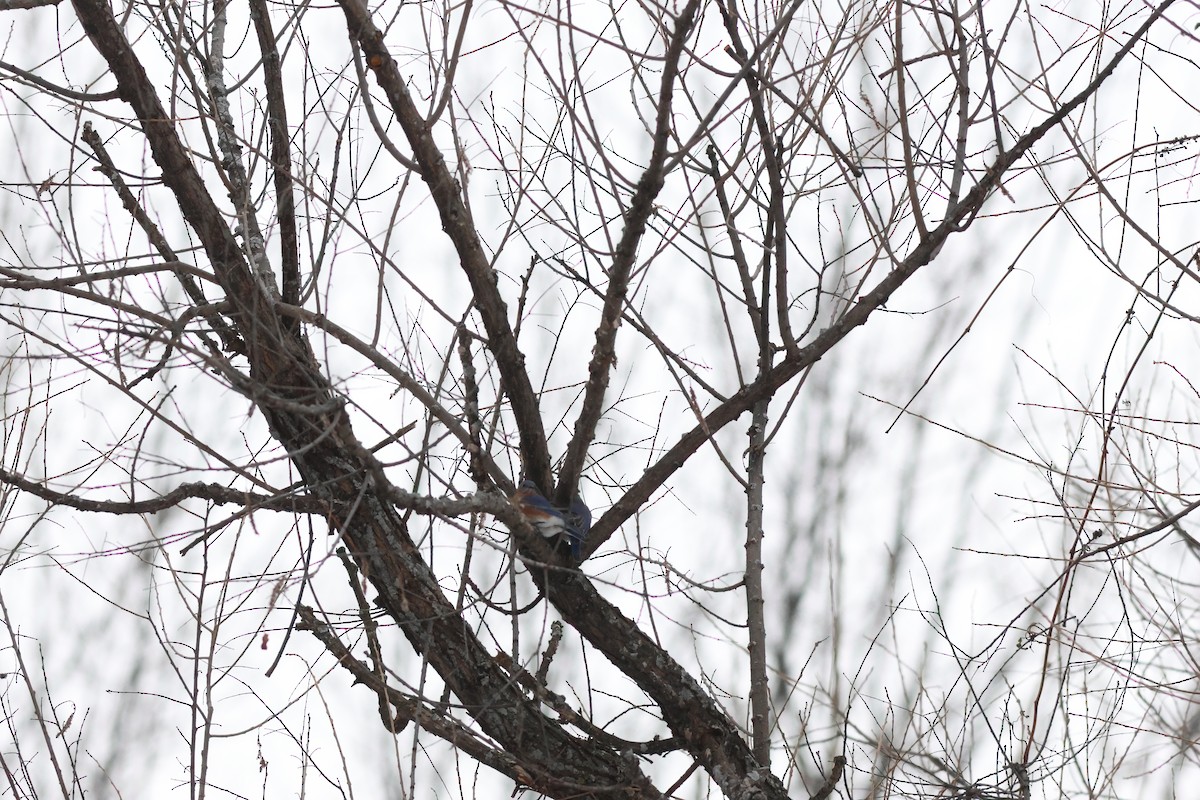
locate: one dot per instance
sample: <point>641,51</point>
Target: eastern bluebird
<point>553,522</point>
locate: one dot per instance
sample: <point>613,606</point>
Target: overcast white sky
<point>950,519</point>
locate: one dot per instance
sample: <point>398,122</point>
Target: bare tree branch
<point>640,208</point>
<point>958,219</point>
<point>210,492</point>
<point>457,223</point>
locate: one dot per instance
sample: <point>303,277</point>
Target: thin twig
<point>108,168</point>
<point>39,81</point>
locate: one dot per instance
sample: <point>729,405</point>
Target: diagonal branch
<point>458,225</point>
<point>695,719</point>
<point>642,205</point>
<point>406,382</point>
<point>959,218</point>
<point>42,83</point>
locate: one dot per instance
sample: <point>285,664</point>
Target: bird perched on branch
<point>569,526</point>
